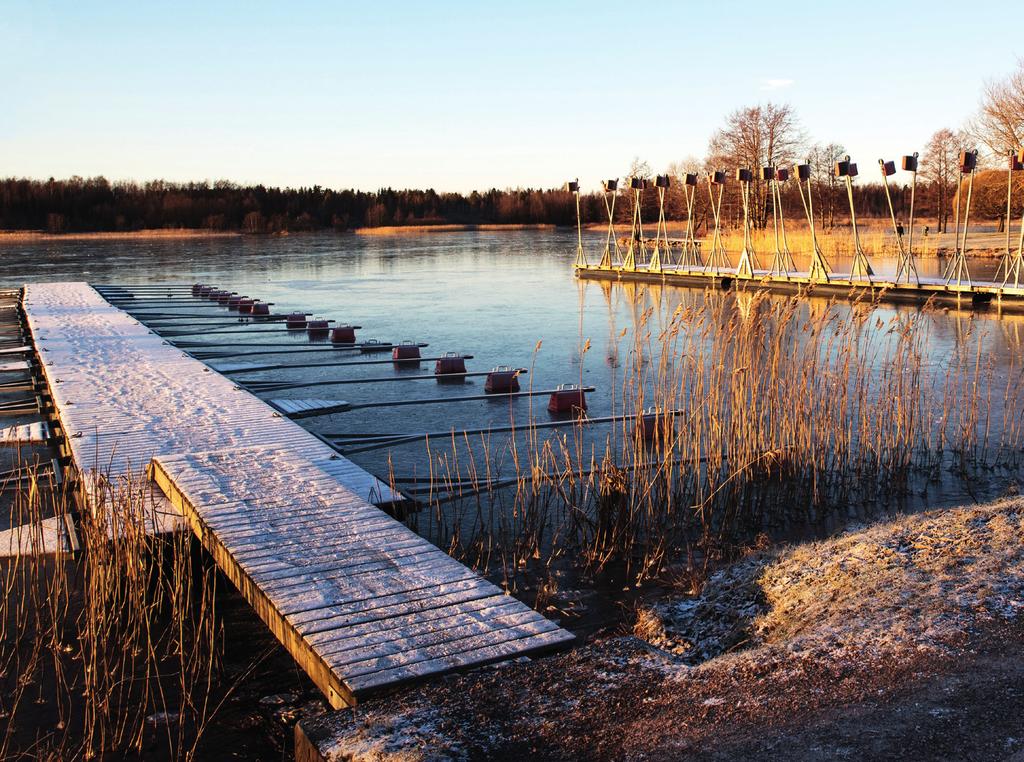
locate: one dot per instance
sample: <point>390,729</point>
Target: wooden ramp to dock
<point>358,599</point>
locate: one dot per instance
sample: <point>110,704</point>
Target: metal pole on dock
<point>782,262</point>
<point>748,263</point>
<point>611,244</point>
<point>662,184</point>
<point>958,267</point>
<point>636,229</point>
<point>1013,164</point>
<point>861,267</point>
<point>820,269</point>
<point>573,187</point>
<point>905,263</point>
<point>690,257</point>
<point>1016,263</point>
<point>718,259</point>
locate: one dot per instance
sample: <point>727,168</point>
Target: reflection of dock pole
<point>573,186</point>
<point>1015,263</point>
<point>611,244</point>
<point>957,267</point>
<point>861,267</point>
<point>820,268</point>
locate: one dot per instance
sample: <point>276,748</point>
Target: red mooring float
<point>196,288</point>
<point>206,290</point>
<point>502,380</point>
<point>245,305</point>
<point>296,321</point>
<point>406,352</point>
<point>450,363</point>
<point>224,296</point>
<point>648,424</point>
<point>317,328</point>
<point>261,308</point>
<point>234,301</point>
<point>567,398</point>
<point>343,334</point>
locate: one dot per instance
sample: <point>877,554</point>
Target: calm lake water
<point>496,296</point>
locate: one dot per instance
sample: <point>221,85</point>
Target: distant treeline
<point>95,204</point>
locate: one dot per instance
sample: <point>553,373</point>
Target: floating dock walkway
<point>359,600</point>
<point>977,294</point>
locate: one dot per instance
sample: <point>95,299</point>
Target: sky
<point>470,95</point>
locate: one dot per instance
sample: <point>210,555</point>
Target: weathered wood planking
<point>359,600</point>
<point>124,395</point>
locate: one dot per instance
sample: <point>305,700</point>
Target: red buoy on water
<point>317,328</point>
<point>206,290</point>
<point>296,320</point>
<point>196,288</point>
<point>406,352</point>
<point>567,398</point>
<point>449,364</point>
<point>245,305</point>
<point>224,296</point>
<point>502,380</point>
<point>343,334</point>
<point>234,301</point>
<point>648,424</point>
<point>262,308</point>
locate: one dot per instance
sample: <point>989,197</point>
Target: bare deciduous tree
<point>756,136</point>
<point>999,123</point>
<point>940,168</point>
<point>822,158</point>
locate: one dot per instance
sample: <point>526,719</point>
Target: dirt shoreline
<point>901,640</point>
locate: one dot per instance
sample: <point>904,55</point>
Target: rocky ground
<point>898,640</point>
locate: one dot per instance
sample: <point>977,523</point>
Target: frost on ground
<point>922,579</point>
<point>900,639</point>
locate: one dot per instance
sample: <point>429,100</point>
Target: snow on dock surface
<point>359,600</point>
<point>124,395</point>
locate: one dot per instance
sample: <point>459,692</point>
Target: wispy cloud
<point>775,84</point>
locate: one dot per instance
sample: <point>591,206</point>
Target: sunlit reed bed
<point>780,419</point>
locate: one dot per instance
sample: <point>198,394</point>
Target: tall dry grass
<point>112,645</point>
<point>767,417</point>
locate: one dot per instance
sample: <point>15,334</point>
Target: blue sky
<point>460,95</point>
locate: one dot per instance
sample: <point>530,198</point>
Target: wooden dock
<point>359,600</point>
<point>978,294</point>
